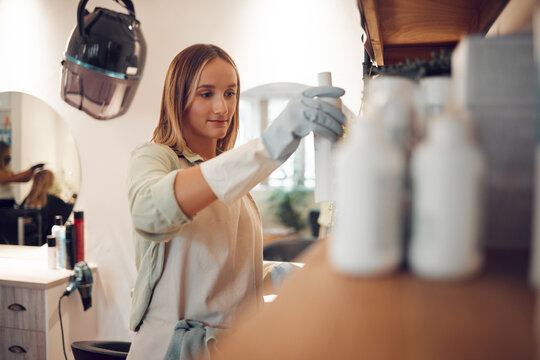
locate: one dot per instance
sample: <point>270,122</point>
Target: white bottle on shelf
<point>393,96</point>
<point>447,173</point>
<point>59,232</point>
<point>366,238</point>
<point>432,96</point>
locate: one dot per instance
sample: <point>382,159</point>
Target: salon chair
<point>32,226</point>
<point>100,350</point>
<point>286,249</point>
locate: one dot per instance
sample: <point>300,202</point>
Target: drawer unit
<point>16,344</point>
<point>22,308</point>
<point>29,299</point>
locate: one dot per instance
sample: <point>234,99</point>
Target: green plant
<point>287,205</point>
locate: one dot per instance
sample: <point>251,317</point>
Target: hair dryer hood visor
<point>104,62</point>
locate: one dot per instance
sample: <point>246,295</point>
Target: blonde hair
<point>178,93</point>
<point>37,197</point>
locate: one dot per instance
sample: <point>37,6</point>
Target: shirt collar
<point>192,157</point>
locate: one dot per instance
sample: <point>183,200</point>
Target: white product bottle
<point>59,232</point>
<point>447,173</point>
<point>324,171</point>
<point>51,251</point>
<point>393,97</point>
<point>366,237</point>
<point>433,94</point>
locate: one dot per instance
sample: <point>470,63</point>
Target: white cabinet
<point>29,320</point>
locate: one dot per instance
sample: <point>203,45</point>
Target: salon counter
<point>26,266</point>
<point>320,314</point>
<point>29,296</point>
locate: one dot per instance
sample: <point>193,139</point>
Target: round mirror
<point>34,134</point>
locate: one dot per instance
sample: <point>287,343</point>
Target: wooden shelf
<point>397,30</point>
<point>321,314</point>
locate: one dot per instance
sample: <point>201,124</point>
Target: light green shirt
<point>217,254</point>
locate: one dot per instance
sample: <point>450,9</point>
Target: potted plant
<point>287,206</point>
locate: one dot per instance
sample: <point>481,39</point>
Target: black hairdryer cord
<point>61,326</point>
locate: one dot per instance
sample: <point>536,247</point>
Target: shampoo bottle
<point>447,173</point>
<point>59,232</point>
<point>79,227</point>
<point>51,251</point>
<point>71,246</point>
<point>366,238</point>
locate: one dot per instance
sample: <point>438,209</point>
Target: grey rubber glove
<point>233,173</point>
<point>303,115</point>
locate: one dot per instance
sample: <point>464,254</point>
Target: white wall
<point>41,137</point>
<point>271,41</point>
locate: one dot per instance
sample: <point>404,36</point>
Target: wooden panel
<point>397,24</point>
<point>33,342</point>
<point>373,27</point>
<point>425,21</point>
<point>488,14</point>
<point>33,300</point>
<point>516,17</point>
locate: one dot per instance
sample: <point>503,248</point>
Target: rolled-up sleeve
<point>155,213</point>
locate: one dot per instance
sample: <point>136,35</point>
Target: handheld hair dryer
<point>82,280</point>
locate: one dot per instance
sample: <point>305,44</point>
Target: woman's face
<point>209,115</point>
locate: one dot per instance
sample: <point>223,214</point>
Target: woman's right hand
<point>7,177</point>
<point>25,176</point>
<point>304,114</point>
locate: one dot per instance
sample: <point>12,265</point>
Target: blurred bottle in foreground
<point>447,171</point>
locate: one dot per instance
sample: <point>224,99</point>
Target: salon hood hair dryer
<point>104,61</point>
<point>81,280</point>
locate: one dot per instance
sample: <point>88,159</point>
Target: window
<point>258,108</point>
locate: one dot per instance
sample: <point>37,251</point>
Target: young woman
<point>198,234</point>
<point>49,205</point>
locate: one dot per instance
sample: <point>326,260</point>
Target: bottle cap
<point>58,220</point>
<point>78,215</point>
<point>51,241</point>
